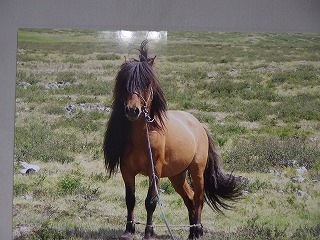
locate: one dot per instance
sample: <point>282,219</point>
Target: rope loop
<point>155,177</point>
<point>172,226</point>
<point>147,116</point>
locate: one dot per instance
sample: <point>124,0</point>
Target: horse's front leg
<point>150,204</point>
<point>130,202</point>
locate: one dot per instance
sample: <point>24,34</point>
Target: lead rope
<point>154,176</point>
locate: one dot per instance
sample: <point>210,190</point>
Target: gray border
<point>207,15</point>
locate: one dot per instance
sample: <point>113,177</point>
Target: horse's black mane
<point>134,76</point>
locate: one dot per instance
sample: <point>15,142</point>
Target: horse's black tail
<point>219,186</point>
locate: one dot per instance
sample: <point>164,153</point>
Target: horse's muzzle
<point>132,113</point>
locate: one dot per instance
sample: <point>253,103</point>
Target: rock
<point>301,171</point>
<point>24,229</point>
<point>87,107</point>
<point>88,197</point>
<point>298,179</point>
<point>24,85</point>
<point>245,193</point>
<point>62,84</point>
<point>29,168</point>
<point>275,173</point>
<point>289,163</point>
<point>302,194</point>
<point>28,197</point>
<point>70,109</point>
<point>234,72</point>
<point>313,139</point>
<point>54,85</point>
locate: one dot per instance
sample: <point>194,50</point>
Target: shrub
<point>166,186</point>
<point>66,76</point>
<point>257,185</point>
<point>302,106</point>
<point>84,121</point>
<point>255,111</point>
<point>194,73</point>
<point>54,109</point>
<point>254,230</point>
<point>69,184</point>
<point>257,91</point>
<point>39,142</point>
<point>45,231</point>
<point>20,188</point>
<point>95,88</point>
<point>306,232</point>
<point>227,88</point>
<point>111,56</point>
<point>302,75</point>
<point>74,59</point>
<point>31,78</point>
<point>260,153</point>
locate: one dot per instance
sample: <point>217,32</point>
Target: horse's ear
<point>151,61</point>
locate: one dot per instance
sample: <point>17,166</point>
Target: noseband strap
<point>145,102</point>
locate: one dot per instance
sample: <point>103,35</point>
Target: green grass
<point>108,57</point>
<point>257,93</point>
<point>261,153</point>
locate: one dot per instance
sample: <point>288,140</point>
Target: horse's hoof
<point>148,238</point>
<point>196,231</point>
<point>126,236</point>
<point>148,234</point>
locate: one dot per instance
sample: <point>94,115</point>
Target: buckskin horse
<point>140,127</point>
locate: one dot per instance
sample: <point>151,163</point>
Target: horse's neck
<point>138,130</point>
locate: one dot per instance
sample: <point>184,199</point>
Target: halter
<point>144,107</point>
<point>142,98</point>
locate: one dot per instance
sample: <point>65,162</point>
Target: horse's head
<point>137,90</point>
<point>138,104</point>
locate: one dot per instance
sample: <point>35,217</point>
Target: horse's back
<point>186,123</point>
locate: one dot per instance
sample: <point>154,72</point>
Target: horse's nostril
<point>132,113</point>
<point>136,111</point>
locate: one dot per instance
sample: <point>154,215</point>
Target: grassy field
<point>258,93</point>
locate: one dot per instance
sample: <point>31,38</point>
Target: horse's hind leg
<point>150,204</point>
<point>183,188</point>
<point>198,186</point>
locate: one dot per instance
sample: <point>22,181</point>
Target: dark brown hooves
<point>196,231</point>
<point>126,236</point>
<point>149,232</point>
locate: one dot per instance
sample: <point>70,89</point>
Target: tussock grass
<point>39,142</point>
<point>265,152</point>
<point>108,57</point>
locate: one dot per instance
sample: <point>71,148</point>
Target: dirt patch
<point>250,125</point>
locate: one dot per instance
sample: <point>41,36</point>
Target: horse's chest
<point>137,155</point>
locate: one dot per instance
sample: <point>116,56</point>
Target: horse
<point>141,128</point>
